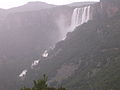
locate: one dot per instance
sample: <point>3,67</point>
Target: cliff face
<point>88,59</point>
<point>24,35</point>
<point>100,10</point>
<point>110,7</point>
<point>32,32</point>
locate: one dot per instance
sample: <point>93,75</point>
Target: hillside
<point>31,6</point>
<point>99,65</point>
<point>24,36</point>
<point>88,58</point>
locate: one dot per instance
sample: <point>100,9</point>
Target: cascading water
<point>80,16</point>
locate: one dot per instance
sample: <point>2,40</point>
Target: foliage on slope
<point>42,85</point>
<point>95,46</point>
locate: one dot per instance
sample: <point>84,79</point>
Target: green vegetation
<point>100,59</point>
<point>42,85</point>
<point>96,44</point>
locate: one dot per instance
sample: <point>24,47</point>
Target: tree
<point>42,85</point>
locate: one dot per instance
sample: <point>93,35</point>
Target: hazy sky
<point>13,3</point>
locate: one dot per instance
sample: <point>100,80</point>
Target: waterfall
<point>80,16</point>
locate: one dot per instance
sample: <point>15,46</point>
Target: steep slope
<point>30,6</point>
<point>88,58</point>
<point>99,67</point>
<point>23,38</point>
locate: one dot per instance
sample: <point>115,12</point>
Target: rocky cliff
<point>88,59</point>
<point>110,7</point>
<point>24,35</point>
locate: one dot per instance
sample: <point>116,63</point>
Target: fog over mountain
<point>32,6</point>
<point>75,45</point>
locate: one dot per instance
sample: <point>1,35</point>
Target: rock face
<point>110,7</point>
<point>24,35</point>
<point>27,34</point>
<point>92,47</point>
<point>95,45</point>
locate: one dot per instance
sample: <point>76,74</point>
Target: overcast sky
<point>13,3</point>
